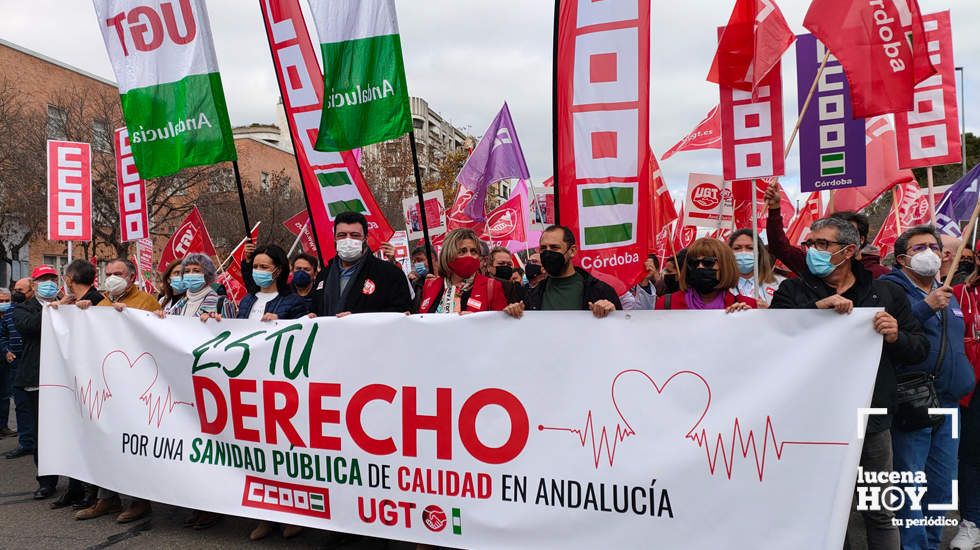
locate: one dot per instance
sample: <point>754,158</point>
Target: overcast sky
<point>466,57</point>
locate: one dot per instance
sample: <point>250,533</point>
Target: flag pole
<point>895,205</point>
<point>554,110</point>
<point>241,198</point>
<point>806,104</point>
<point>418,192</point>
<point>932,195</point>
<point>298,237</point>
<point>966,238</point>
<point>755,243</point>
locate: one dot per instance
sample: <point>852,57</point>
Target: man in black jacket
<point>43,289</point>
<point>836,280</point>
<point>567,287</point>
<point>355,281</point>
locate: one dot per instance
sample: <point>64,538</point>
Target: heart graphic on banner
<point>640,402</point>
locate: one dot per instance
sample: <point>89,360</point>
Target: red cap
<point>42,270</point>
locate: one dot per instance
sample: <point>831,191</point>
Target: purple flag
<point>832,148</point>
<point>958,203</point>
<point>498,156</point>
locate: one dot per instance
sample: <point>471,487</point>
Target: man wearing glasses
<point>931,449</point>
<point>835,280</point>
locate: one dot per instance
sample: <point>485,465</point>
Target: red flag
<point>300,223</point>
<point>662,211</point>
<point>684,235</point>
<point>134,218</point>
<point>799,228</point>
<point>742,194</point>
<point>191,236</point>
<point>869,39</point>
<point>883,171</point>
<point>754,40</point>
<point>929,135</point>
<point>752,130</point>
<point>456,217</point>
<point>232,277</point>
<point>707,135</point>
<point>507,222</point>
<point>909,209</point>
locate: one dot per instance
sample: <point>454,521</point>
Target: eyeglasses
<point>708,262</point>
<point>820,244</point>
<point>923,247</point>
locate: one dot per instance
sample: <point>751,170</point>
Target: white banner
<point>613,433</point>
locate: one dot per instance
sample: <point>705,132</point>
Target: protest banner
<point>588,449</point>
<point>170,87</point>
<point>602,125</point>
<point>435,215</point>
<point>332,182</point>
<point>191,236</point>
<point>134,218</point>
<point>69,171</point>
<point>832,149</point>
<point>709,202</point>
<point>929,134</point>
<point>752,129</point>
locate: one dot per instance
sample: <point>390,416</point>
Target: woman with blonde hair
<point>461,288</point>
<point>707,277</point>
<point>741,243</point>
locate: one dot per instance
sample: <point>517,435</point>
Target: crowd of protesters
<point>931,331</point>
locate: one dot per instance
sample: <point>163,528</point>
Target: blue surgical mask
<point>262,278</point>
<point>819,262</point>
<point>178,285</point>
<point>420,269</point>
<point>745,261</point>
<point>194,281</point>
<point>301,279</point>
<point>5,307</point>
<point>47,290</point>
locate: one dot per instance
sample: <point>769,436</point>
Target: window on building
<point>57,123</point>
<point>264,184</point>
<point>101,139</point>
<point>418,124</point>
<point>287,190</point>
<point>57,262</point>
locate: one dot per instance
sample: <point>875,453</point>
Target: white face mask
<point>925,263</point>
<point>116,285</point>
<point>350,249</point>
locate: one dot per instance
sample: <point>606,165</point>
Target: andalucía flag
<point>172,100</point>
<point>365,96</point>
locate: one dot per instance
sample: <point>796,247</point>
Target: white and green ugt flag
<point>163,57</point>
<point>365,96</point>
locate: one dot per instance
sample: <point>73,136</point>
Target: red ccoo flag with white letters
<point>69,191</point>
<point>134,219</point>
<point>191,236</point>
<point>869,38</point>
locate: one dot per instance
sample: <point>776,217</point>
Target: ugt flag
<point>191,236</point>
<point>172,100</point>
<point>365,94</point>
<point>498,156</point>
<point>869,39</point>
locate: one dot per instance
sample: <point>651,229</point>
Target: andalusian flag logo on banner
<point>365,95</point>
<point>608,214</point>
<point>172,100</point>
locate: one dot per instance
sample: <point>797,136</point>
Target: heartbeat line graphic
<point>605,443</point>
<point>91,398</point>
<point>747,445</point>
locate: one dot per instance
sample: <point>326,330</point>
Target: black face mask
<point>503,272</point>
<point>532,271</point>
<point>670,283</point>
<point>18,297</point>
<point>553,262</point>
<point>703,280</point>
<point>966,266</point>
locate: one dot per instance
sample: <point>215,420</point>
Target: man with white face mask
<point>355,281</point>
<point>121,290</point>
<point>930,448</point>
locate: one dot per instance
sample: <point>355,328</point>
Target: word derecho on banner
<point>259,420</point>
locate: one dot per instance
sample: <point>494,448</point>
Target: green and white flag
<point>172,101</point>
<point>365,96</point>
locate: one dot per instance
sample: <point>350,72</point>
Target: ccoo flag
<point>171,94</point>
<point>365,96</point>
